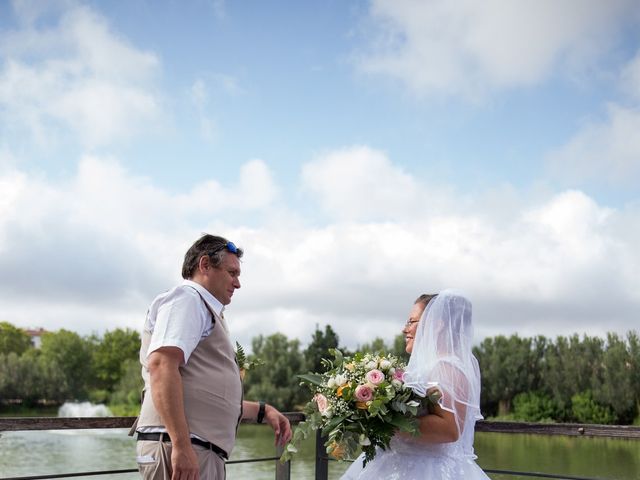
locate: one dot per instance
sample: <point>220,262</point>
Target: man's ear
<point>204,263</point>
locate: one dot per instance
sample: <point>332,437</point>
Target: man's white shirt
<point>179,318</point>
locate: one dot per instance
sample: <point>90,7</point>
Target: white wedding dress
<point>442,359</point>
<point>408,460</point>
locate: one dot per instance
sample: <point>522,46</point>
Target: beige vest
<point>212,390</point>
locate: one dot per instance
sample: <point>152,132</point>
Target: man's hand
<point>184,464</point>
<point>279,423</point>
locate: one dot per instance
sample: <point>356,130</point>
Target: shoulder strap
<point>206,305</point>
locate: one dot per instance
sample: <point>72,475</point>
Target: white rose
<point>371,365</point>
<point>392,371</point>
<point>397,384</point>
<point>385,364</point>
<point>331,383</point>
<point>341,379</point>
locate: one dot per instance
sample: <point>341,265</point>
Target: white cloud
<point>256,190</point>
<point>361,183</point>
<point>76,74</point>
<point>29,11</point>
<point>630,77</point>
<point>89,248</point>
<point>201,92</point>
<point>228,84</point>
<point>7,158</point>
<point>566,265</point>
<point>89,253</point>
<point>468,48</point>
<point>607,149</point>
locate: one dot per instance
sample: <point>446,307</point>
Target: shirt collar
<point>212,301</point>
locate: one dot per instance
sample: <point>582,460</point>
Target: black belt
<point>164,436</point>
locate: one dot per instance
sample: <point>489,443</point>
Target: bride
<point>439,338</point>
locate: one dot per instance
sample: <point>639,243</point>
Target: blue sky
<point>362,152</point>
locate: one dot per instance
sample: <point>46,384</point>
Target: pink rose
<point>398,374</point>
<point>363,393</point>
<point>322,402</point>
<point>374,377</point>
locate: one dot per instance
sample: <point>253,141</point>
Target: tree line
<point>569,379</point>
<point>69,367</point>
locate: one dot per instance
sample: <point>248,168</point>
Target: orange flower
<point>362,405</point>
<point>339,392</point>
<point>336,450</point>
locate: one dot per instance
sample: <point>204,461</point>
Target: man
<point>193,393</point>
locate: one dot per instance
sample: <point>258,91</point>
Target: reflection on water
<point>258,441</point>
<point>578,456</point>
<point>70,451</point>
<point>66,451</point>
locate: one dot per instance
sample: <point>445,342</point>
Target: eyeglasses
<point>230,246</point>
<point>410,322</point>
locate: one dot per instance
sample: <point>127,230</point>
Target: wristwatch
<point>261,412</point>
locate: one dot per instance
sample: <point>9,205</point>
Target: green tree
<point>13,339</point>
<point>399,348</point>
<point>508,367</point>
<point>616,388</point>
<point>126,397</point>
<point>111,353</point>
<point>634,355</point>
<point>319,348</point>
<point>40,380</point>
<point>10,377</point>
<point>572,365</point>
<point>539,347</point>
<point>72,354</point>
<point>276,381</point>
<point>534,407</point>
<point>378,345</point>
<point>53,384</point>
<point>585,409</point>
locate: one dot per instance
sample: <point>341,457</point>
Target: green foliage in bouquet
<point>243,363</point>
<point>359,403</point>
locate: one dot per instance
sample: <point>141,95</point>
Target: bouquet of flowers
<point>360,402</point>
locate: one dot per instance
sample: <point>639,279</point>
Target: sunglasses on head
<point>229,246</point>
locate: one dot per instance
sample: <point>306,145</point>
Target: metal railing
<point>283,470</point>
<point>552,429</point>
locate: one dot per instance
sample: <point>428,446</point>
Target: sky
<point>361,152</point>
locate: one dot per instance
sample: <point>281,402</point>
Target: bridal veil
<point>442,358</point>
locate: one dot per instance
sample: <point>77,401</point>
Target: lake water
<point>48,452</point>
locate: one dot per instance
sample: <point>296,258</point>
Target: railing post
<point>283,470</point>
<point>322,462</point>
